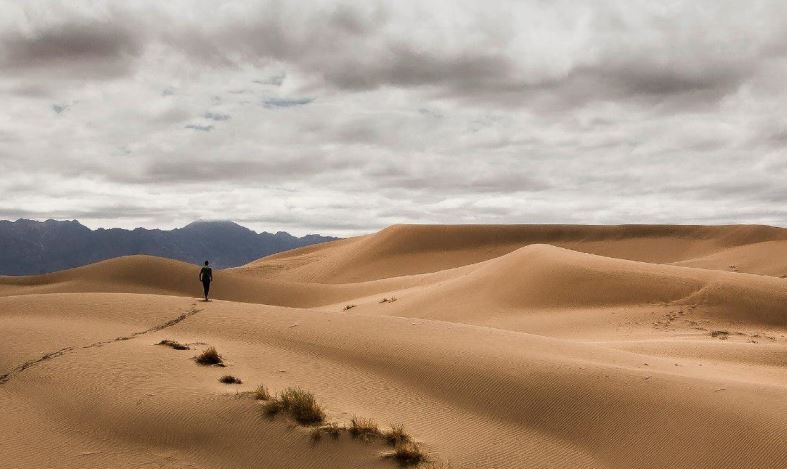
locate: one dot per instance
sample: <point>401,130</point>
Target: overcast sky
<point>346,117</point>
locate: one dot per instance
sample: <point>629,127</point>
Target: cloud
<point>216,116</point>
<point>563,55</point>
<point>103,212</point>
<point>60,108</point>
<point>201,128</point>
<point>566,55</point>
<point>285,102</point>
<point>76,48</point>
<point>226,168</point>
<point>274,80</point>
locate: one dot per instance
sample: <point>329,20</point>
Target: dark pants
<point>206,287</point>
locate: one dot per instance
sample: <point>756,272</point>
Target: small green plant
<point>173,344</point>
<point>364,428</point>
<point>210,357</point>
<point>262,394</point>
<point>229,379</point>
<point>408,454</point>
<point>396,435</point>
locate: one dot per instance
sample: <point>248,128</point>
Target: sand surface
<point>505,347</point>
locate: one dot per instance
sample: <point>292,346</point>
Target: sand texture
<point>516,346</point>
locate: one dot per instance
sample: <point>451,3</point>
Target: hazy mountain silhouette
<point>33,247</point>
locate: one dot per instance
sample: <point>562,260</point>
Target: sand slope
<point>505,346</point>
<point>154,275</point>
<point>412,249</point>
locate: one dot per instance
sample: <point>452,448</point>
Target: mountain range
<point>32,247</point>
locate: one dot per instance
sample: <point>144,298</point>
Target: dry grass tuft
<point>363,428</point>
<point>333,429</point>
<point>262,394</point>
<point>210,357</point>
<point>272,408</point>
<point>396,435</point>
<point>389,300</point>
<point>299,404</point>
<point>408,454</point>
<point>348,307</point>
<point>173,344</point>
<point>229,379</point>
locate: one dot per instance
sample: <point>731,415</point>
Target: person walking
<point>206,276</point>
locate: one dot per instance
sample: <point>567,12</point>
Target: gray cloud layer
<point>347,116</point>
<point>75,48</point>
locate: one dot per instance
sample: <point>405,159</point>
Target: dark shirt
<point>206,274</point>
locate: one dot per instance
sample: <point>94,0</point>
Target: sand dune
<point>154,275</point>
<point>766,258</point>
<point>542,278</point>
<point>413,249</point>
<point>495,346</point>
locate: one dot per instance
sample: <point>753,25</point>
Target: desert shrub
<point>333,429</point>
<point>173,344</point>
<point>408,454</point>
<point>272,408</point>
<point>262,394</point>
<point>210,357</point>
<point>396,435</point>
<point>301,406</point>
<point>229,379</point>
<point>364,428</point>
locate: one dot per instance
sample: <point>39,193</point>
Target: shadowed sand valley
<point>511,346</point>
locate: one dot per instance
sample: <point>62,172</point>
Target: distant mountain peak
<point>212,222</point>
<point>216,226</point>
<point>35,247</point>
